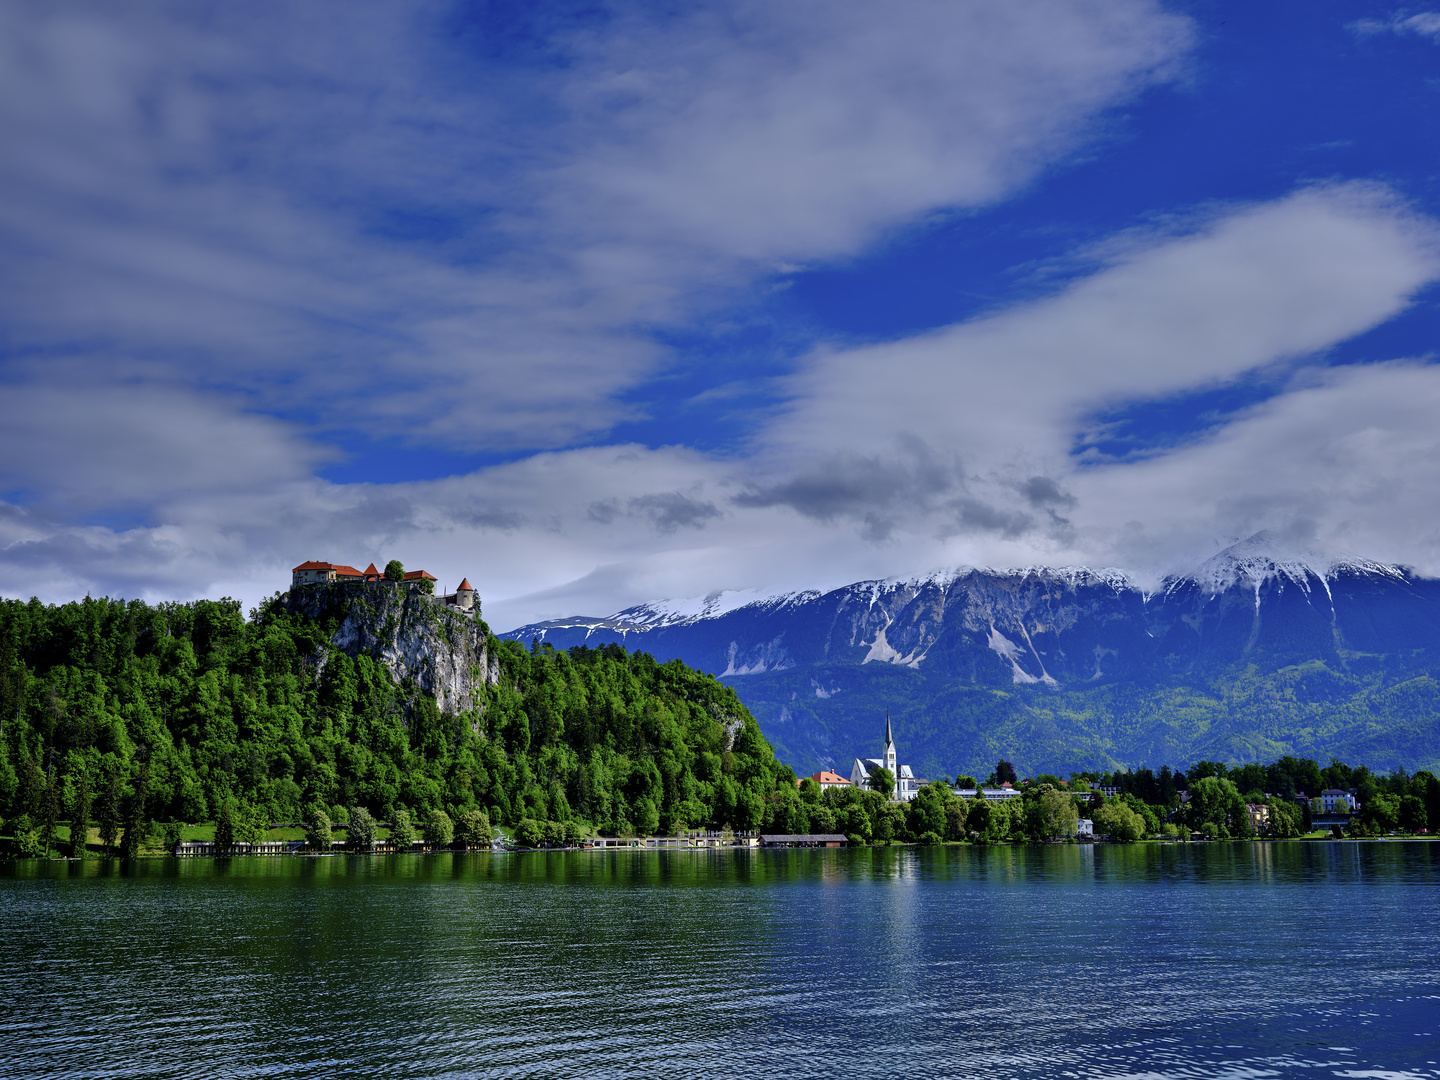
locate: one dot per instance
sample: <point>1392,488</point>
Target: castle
<point>322,573</point>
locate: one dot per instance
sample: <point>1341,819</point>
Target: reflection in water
<point>1167,961</point>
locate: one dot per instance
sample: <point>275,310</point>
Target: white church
<point>906,783</point>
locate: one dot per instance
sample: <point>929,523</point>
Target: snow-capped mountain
<point>1048,630</point>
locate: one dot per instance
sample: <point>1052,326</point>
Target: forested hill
<point>353,696</point>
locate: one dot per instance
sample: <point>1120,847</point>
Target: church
<point>906,783</point>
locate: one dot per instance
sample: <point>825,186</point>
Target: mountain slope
<point>1252,654</point>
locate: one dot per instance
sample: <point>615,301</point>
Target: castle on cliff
<point>324,573</point>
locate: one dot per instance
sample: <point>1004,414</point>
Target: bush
<point>929,838</point>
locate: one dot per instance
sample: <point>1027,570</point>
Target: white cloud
<point>949,448</point>
<point>1422,24</point>
<point>955,422</point>
<point>1347,461</point>
<point>224,192</point>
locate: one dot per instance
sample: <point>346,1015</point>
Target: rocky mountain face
<point>440,650</point>
<point>1251,654</point>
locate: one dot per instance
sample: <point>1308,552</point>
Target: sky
<point>601,304</point>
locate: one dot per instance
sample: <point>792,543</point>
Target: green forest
<point>127,715</point>
<point>129,723</point>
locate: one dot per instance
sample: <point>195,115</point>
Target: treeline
<point>125,715</point>
<point>1217,795</point>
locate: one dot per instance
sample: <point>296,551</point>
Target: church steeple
<point>890,747</point>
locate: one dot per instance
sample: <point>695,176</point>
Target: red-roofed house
<point>827,779</point>
<point>315,573</point>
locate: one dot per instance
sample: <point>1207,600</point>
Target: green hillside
<point>172,711</point>
<point>1236,714</point>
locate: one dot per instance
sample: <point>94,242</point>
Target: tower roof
<point>465,586</point>
<point>888,737</point>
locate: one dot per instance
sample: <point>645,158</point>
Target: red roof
<point>825,776</point>
<point>370,571</point>
<point>465,586</point>
<point>312,565</point>
<point>347,571</point>
<point>416,575</point>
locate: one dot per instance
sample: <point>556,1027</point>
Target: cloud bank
<point>235,240</point>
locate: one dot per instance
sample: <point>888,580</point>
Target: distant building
<point>1259,816</point>
<point>1085,829</point>
<point>803,840</point>
<point>1333,801</point>
<point>907,785</point>
<point>319,573</point>
<point>322,573</point>
<point>827,780</point>
<point>989,794</point>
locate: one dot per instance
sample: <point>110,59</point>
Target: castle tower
<point>890,749</point>
<point>465,595</point>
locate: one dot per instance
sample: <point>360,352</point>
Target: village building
<point>805,840</point>
<point>827,780</point>
<point>1333,801</point>
<point>907,785</point>
<point>1002,793</point>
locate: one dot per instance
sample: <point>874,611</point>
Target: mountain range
<point>1254,654</point>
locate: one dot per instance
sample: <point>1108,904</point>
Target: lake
<point>1208,960</point>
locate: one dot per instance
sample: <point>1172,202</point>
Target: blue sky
<point>603,304</point>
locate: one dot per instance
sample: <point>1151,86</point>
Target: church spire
<point>890,755</point>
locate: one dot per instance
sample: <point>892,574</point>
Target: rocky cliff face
<point>440,649</point>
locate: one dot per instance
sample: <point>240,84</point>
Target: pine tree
<point>136,825</point>
<point>80,817</point>
<point>49,813</point>
<point>32,786</point>
<point>225,830</point>
<point>108,815</point>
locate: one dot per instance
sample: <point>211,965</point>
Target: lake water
<point>1221,960</point>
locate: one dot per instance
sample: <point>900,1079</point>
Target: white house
<point>989,794</point>
<point>1334,801</point>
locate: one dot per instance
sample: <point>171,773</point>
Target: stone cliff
<point>440,650</point>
